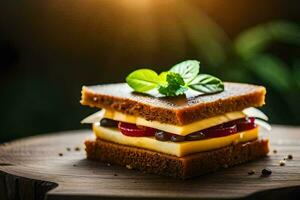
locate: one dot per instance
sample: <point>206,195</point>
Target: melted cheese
<point>178,149</point>
<point>171,128</point>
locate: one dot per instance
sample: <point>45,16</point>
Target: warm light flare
<point>136,4</point>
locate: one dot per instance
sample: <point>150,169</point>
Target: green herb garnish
<point>174,85</point>
<point>176,81</point>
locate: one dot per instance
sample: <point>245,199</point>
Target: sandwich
<point>181,133</point>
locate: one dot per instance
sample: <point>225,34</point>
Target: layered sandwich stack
<point>183,136</point>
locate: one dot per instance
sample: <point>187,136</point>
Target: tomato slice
<point>244,124</point>
<point>216,131</point>
<point>220,131</point>
<point>135,131</point>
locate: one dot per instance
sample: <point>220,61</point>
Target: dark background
<point>50,48</point>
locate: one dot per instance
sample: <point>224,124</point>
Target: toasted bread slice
<point>175,110</point>
<point>184,167</point>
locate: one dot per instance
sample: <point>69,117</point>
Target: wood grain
<point>31,168</point>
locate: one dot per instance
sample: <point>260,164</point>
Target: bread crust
<point>176,110</point>
<point>178,167</point>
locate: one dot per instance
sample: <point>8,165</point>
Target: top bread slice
<point>179,110</point>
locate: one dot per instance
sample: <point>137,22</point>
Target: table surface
<point>32,168</point>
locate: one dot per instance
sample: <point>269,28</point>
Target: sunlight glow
<point>136,4</point>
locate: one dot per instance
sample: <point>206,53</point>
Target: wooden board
<point>32,167</point>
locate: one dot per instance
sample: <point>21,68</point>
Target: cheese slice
<point>178,149</point>
<point>171,128</point>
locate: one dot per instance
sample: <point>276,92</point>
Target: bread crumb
<point>251,172</point>
<point>282,163</point>
<point>77,148</point>
<point>266,172</point>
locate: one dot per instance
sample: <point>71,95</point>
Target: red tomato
<point>134,131</point>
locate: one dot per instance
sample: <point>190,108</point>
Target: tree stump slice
<point>43,167</point>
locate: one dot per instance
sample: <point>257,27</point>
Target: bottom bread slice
<point>178,167</point>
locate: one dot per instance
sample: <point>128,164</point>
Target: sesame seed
<point>128,166</point>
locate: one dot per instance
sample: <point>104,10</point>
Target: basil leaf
<point>176,81</point>
<point>207,84</point>
<point>188,70</point>
<point>163,77</point>
<point>142,80</point>
<point>175,85</point>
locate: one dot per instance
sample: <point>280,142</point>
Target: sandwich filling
<point>178,149</point>
<point>204,135</point>
<point>171,128</point>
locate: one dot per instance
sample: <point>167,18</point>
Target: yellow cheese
<point>175,129</point>
<point>178,149</point>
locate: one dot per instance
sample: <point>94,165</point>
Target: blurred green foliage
<point>253,51</point>
<point>249,58</point>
